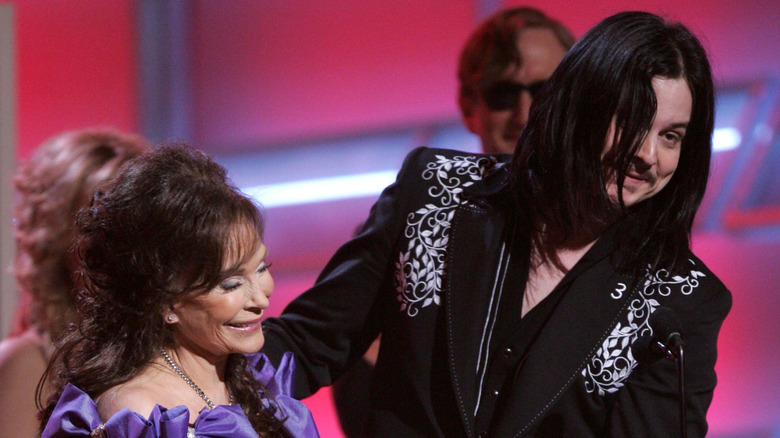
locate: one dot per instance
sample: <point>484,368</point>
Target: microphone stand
<point>666,326</point>
<point>681,383</point>
<point>676,353</point>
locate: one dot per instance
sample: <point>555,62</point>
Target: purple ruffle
<point>279,384</point>
<point>76,413</point>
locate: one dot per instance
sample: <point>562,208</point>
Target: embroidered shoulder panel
<point>609,368</point>
<point>420,266</point>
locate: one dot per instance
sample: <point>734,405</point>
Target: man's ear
<point>466,105</point>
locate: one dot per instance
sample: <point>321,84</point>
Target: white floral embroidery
<point>420,268</point>
<point>614,361</point>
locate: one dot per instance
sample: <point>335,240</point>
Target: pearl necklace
<point>189,381</point>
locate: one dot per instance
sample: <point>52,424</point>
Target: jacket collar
<point>494,182</point>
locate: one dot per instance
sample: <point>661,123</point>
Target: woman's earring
<point>170,317</point>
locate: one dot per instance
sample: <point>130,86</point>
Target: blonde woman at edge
<point>51,186</point>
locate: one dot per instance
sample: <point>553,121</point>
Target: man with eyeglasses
<point>502,66</point>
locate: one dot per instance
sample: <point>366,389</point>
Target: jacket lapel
<point>477,248</point>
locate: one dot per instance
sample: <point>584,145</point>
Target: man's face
<point>498,116</point>
<point>656,160</point>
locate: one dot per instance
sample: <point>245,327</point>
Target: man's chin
<point>507,145</point>
<point>498,145</point>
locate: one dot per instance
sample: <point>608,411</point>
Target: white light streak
<point>724,139</point>
<point>371,184</point>
<point>321,189</point>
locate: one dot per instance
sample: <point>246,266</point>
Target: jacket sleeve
<point>331,325</point>
<point>648,405</point>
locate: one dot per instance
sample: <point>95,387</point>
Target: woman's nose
<point>261,292</point>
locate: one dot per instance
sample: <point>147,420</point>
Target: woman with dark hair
<point>51,186</point>
<point>509,295</point>
<point>173,283</point>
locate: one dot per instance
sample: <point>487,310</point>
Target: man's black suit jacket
<point>428,271</point>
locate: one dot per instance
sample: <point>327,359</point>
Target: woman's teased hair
<point>168,227</point>
<point>51,186</point>
<point>558,167</point>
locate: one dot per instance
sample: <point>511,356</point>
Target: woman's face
<point>226,319</point>
<point>656,161</point>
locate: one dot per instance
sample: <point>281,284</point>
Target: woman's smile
<point>247,326</point>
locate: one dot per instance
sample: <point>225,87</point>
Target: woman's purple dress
<point>76,413</point>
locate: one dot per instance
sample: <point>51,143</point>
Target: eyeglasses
<point>504,95</point>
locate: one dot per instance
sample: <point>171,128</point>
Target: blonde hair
<point>51,186</point>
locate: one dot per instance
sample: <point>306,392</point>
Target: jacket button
<point>508,351</point>
<point>494,393</point>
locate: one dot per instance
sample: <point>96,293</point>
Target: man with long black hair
<point>502,66</point>
<point>508,293</point>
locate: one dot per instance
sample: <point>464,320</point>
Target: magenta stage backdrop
<point>283,91</point>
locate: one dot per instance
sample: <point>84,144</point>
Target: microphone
<point>666,327</point>
<point>665,342</point>
<point>647,349</point>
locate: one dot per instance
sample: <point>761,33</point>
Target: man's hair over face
<point>608,75</point>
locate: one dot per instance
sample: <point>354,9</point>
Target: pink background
<point>276,74</point>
